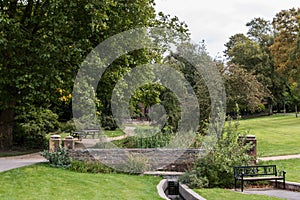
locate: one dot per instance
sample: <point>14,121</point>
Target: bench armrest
<point>282,173</point>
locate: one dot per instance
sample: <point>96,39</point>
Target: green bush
<point>67,126</point>
<point>33,125</point>
<point>136,164</point>
<point>58,158</point>
<point>108,123</point>
<point>89,167</point>
<point>146,137</point>
<point>215,169</point>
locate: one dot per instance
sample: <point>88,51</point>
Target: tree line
<point>43,44</point>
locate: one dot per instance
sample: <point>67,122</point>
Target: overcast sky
<point>216,20</point>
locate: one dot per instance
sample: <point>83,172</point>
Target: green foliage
<point>215,169</point>
<point>67,126</point>
<point>146,137</point>
<point>193,179</point>
<point>58,158</point>
<point>33,125</point>
<point>89,167</point>
<point>108,122</point>
<point>136,164</point>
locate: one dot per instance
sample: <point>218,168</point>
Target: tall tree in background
<point>43,44</point>
<point>285,51</point>
<point>252,52</point>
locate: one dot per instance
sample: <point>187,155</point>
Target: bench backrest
<point>258,170</point>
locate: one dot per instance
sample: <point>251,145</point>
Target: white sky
<point>216,20</point>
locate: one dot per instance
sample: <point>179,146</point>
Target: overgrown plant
<point>136,164</point>
<point>32,126</point>
<point>89,167</point>
<point>215,169</point>
<point>58,158</point>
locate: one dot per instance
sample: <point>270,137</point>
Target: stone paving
<point>8,163</point>
<point>286,157</point>
<point>290,195</point>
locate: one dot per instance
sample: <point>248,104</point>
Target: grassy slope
<point>217,194</point>
<point>43,182</point>
<point>276,135</point>
<point>291,166</point>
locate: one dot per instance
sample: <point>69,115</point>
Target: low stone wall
<point>293,186</point>
<point>158,159</point>
<point>188,193</point>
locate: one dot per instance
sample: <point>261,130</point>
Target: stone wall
<point>158,159</point>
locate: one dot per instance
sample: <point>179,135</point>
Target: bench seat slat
<point>261,178</point>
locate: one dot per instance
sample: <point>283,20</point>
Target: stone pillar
<point>252,151</point>
<point>69,142</point>
<point>54,143</point>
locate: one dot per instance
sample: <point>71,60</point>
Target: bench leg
<point>276,183</point>
<point>242,185</point>
<point>283,183</point>
<point>234,184</point>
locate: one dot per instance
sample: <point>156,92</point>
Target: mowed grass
<point>43,182</point>
<point>114,133</point>
<point>217,194</point>
<point>291,166</point>
<point>276,135</point>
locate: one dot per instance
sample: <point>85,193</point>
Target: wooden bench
<point>257,173</point>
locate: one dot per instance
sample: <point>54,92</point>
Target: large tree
<point>44,42</point>
<point>284,50</point>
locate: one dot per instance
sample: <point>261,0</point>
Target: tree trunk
<point>270,109</point>
<point>296,110</point>
<point>6,128</point>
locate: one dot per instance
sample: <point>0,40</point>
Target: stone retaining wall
<point>158,159</point>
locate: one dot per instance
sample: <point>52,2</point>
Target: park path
<point>8,163</point>
<point>285,157</point>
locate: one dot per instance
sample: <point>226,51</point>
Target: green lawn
<point>217,194</point>
<point>291,166</point>
<point>43,182</point>
<point>114,133</point>
<point>276,135</point>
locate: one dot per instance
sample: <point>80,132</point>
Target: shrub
<point>89,167</point>
<point>32,126</point>
<point>136,164</point>
<point>146,137</point>
<point>215,169</point>
<point>67,126</point>
<point>108,123</point>
<point>58,158</point>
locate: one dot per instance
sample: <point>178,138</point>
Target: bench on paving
<point>257,173</point>
<point>84,133</point>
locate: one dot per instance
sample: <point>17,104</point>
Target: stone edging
<point>293,186</point>
<point>161,187</point>
<point>188,193</point>
<point>184,191</point>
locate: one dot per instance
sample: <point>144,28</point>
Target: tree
<point>252,52</point>
<point>243,89</point>
<point>46,41</point>
<point>284,50</point>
